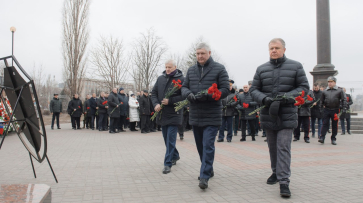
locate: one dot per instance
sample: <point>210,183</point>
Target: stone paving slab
<point>93,166</point>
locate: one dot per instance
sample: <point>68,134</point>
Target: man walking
<point>303,118</point>
<point>278,77</point>
<point>145,112</point>
<point>316,111</point>
<point>168,118</point>
<point>205,113</point>
<point>246,105</point>
<point>55,108</point>
<point>346,115</point>
<point>332,99</point>
<point>77,110</point>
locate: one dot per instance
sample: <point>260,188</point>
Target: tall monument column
<point>324,68</point>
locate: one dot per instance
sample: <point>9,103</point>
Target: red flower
<point>174,81</point>
<point>347,99</point>
<point>218,95</point>
<point>152,113</point>
<point>336,117</point>
<point>302,93</point>
<point>299,101</point>
<point>256,116</point>
<point>179,86</point>
<point>210,90</point>
<point>310,98</point>
<point>127,118</point>
<point>215,86</point>
<point>235,98</point>
<point>105,102</point>
<point>245,106</point>
<point>79,107</point>
<point>121,103</point>
<point>87,108</point>
<point>179,81</point>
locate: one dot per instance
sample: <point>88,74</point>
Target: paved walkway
<point>126,167</point>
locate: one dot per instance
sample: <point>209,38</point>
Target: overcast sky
<point>238,30</point>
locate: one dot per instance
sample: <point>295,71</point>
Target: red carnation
<point>79,107</point>
<point>336,117</point>
<point>245,106</point>
<point>152,113</point>
<point>104,103</point>
<point>179,81</point>
<point>87,108</point>
<point>174,81</point>
<point>302,93</point>
<point>235,98</point>
<point>121,102</point>
<point>310,98</point>
<point>210,90</point>
<point>347,99</point>
<point>127,118</point>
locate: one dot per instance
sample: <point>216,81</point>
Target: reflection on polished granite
<point>30,193</point>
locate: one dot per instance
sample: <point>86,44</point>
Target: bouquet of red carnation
<point>347,99</point>
<point>176,86</point>
<point>230,102</point>
<point>74,111</point>
<point>104,103</point>
<point>336,117</point>
<point>245,106</point>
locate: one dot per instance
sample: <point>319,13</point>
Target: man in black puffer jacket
<point>113,110</point>
<point>205,113</point>
<point>245,100</point>
<point>277,77</point>
<point>145,112</point>
<point>77,111</point>
<point>316,111</point>
<point>124,109</point>
<point>303,117</point>
<point>168,118</point>
<point>229,104</point>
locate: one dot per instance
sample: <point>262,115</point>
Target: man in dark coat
<point>124,109</point>
<point>303,117</point>
<point>113,110</point>
<point>316,111</point>
<point>77,111</point>
<point>246,105</point>
<point>145,112</point>
<point>92,113</point>
<point>87,112</point>
<point>278,77</point>
<point>205,113</point>
<point>102,106</point>
<point>167,117</point>
<point>55,108</point>
<point>332,99</point>
<point>229,105</point>
<point>346,115</point>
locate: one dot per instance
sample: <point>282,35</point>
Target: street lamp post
<point>12,29</point>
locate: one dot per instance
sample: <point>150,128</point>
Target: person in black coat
<point>92,113</point>
<point>303,117</point>
<point>77,111</point>
<point>124,109</point>
<point>153,124</point>
<point>145,112</point>
<point>316,111</point>
<point>246,99</point>
<point>205,113</point>
<point>277,77</point>
<point>167,117</point>
<point>113,110</point>
<point>87,112</point>
<point>102,107</point>
<point>55,108</point>
<point>229,105</point>
<point>346,115</point>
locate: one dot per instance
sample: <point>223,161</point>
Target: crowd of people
<point>267,103</point>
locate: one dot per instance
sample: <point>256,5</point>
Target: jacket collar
<point>206,63</point>
<point>335,88</point>
<point>278,61</point>
<point>178,73</point>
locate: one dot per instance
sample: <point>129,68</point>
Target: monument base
<point>321,76</point>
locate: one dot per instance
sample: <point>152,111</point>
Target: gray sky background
<point>238,30</point>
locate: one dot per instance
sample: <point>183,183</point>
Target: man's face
<point>316,88</point>
<point>169,68</point>
<point>344,89</point>
<point>56,96</point>
<point>322,88</point>
<point>114,90</point>
<point>203,55</point>
<point>142,93</point>
<point>88,96</point>
<point>122,91</point>
<point>331,84</point>
<point>246,88</point>
<point>76,96</point>
<point>102,94</point>
<point>138,93</point>
<point>94,95</point>
<point>146,94</point>
<point>276,50</point>
<point>230,87</point>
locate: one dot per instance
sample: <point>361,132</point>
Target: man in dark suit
<point>93,108</point>
<point>145,112</point>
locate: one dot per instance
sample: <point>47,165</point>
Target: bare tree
<point>147,53</point>
<point>74,44</point>
<point>110,62</point>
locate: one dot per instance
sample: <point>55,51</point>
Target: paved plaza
<point>126,167</point>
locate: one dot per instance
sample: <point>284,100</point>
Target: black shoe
<point>243,139</point>
<point>153,131</point>
<point>329,131</point>
<point>92,128</point>
<point>203,183</point>
<point>147,131</point>
<point>256,134</point>
<point>143,132</point>
<point>253,139</point>
<point>59,128</point>
<point>211,175</point>
<point>175,160</point>
<point>166,170</point>
<point>181,137</point>
<point>321,141</point>
<point>122,130</point>
<point>333,142</point>
<point>272,179</point>
<point>349,132</point>
<point>295,139</point>
<point>52,128</point>
<point>229,140</point>
<point>159,129</point>
<point>79,128</point>
<point>307,141</point>
<point>235,134</point>
<point>74,128</point>
<point>220,140</point>
<point>265,140</point>
<point>343,133</point>
<point>284,190</point>
<point>87,127</point>
<point>313,135</point>
<point>112,132</point>
<point>263,135</point>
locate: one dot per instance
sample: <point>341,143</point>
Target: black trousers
<point>55,116</point>
<point>76,122</point>
<point>329,115</point>
<point>132,125</point>
<point>102,121</point>
<point>304,120</point>
<point>145,123</point>
<point>121,122</point>
<point>88,121</point>
<point>93,118</point>
<point>183,126</point>
<point>244,127</point>
<point>113,123</point>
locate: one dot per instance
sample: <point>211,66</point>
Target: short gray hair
<point>278,40</point>
<point>170,61</point>
<point>203,45</point>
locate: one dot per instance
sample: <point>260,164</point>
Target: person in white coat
<point>134,112</point>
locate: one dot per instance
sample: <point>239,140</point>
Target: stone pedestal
<point>34,193</point>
